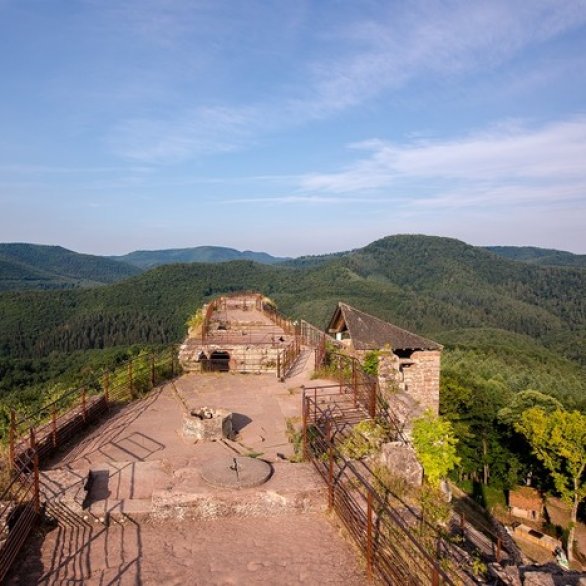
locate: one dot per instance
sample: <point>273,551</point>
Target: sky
<point>291,127</point>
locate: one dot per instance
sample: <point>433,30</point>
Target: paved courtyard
<point>167,525</point>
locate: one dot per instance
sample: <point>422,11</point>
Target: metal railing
<point>38,434</point>
<point>398,544</point>
<point>384,527</point>
<point>55,423</point>
<point>287,358</point>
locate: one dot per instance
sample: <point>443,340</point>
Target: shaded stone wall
<point>410,385</point>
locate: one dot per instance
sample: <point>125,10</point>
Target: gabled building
<point>526,502</point>
<point>408,364</point>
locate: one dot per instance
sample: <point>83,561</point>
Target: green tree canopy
<point>435,445</point>
<point>524,401</point>
<point>558,439</point>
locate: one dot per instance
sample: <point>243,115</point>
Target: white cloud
<point>351,62</point>
<point>509,163</point>
<point>431,39</point>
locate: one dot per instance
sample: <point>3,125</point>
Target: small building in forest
<point>408,364</point>
<point>526,502</point>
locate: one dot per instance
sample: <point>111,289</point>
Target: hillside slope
<point>35,266</point>
<point>146,259</point>
<point>421,283</point>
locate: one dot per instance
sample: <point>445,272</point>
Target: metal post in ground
<point>330,465</point>
<point>83,404</point>
<point>130,380</point>
<point>278,365</point>
<point>354,384</point>
<point>153,381</point>
<point>54,426</point>
<point>12,434</point>
<point>435,577</point>
<point>304,411</point>
<point>106,385</point>
<point>372,406</point>
<point>369,524</point>
<point>36,486</point>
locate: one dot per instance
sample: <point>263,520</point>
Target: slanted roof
<point>370,333</point>
<point>526,498</point>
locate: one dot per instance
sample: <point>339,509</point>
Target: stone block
<point>401,461</point>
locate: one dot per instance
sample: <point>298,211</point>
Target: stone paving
<point>170,527</point>
<point>286,550</point>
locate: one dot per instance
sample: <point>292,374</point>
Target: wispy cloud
<point>356,59</point>
<point>429,39</point>
<point>299,199</point>
<point>507,163</point>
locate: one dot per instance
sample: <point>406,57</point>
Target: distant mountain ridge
<point>147,259</point>
<point>540,256</point>
<point>26,266</point>
<point>37,266</point>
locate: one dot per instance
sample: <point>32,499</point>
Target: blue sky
<point>291,127</point>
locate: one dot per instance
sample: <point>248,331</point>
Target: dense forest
<point>509,328</point>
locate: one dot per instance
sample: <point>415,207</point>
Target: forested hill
<point>34,266</point>
<point>426,284</point>
<point>146,259</point>
<point>540,256</point>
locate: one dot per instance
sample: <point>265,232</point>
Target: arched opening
<point>219,361</point>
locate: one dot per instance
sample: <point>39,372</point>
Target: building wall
<point>411,385</point>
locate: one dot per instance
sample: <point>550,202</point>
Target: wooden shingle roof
<point>370,333</point>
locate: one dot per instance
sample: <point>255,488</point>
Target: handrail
<point>55,421</point>
<point>350,483</point>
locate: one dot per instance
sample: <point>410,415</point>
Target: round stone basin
<point>207,424</point>
<point>236,472</point>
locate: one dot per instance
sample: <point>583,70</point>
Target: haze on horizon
<point>292,127</point>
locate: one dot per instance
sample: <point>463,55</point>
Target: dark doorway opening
<point>219,361</point>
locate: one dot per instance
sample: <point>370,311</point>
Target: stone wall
<point>254,358</point>
<point>410,385</point>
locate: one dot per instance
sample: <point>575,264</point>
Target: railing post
<point>305,409</point>
<point>12,434</point>
<point>330,466</point>
<point>369,535</point>
<point>372,406</point>
<point>340,371</point>
<point>435,577</point>
<point>354,384</point>
<point>83,404</point>
<point>462,524</point>
<point>37,494</point>
<point>106,385</point>
<point>54,426</point>
<point>130,380</point>
<point>278,366</point>
<point>153,381</point>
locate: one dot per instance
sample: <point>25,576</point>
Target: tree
<point>558,440</point>
<point>525,400</point>
<point>435,445</point>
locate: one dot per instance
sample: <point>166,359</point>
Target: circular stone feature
<point>236,472</point>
